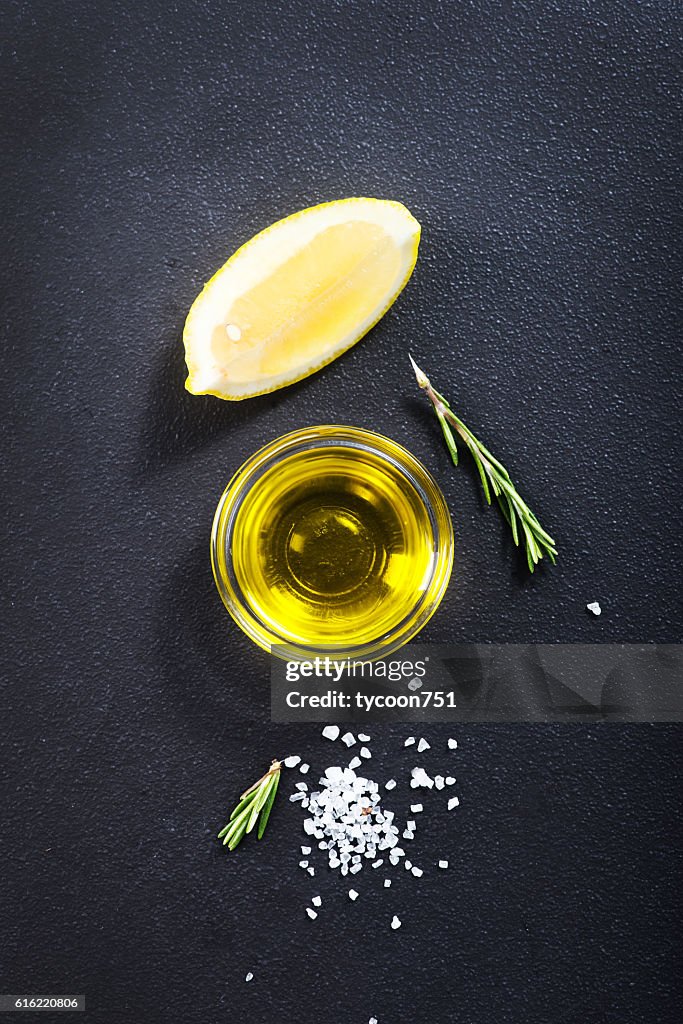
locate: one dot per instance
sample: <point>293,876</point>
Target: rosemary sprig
<point>494,477</point>
<point>254,802</point>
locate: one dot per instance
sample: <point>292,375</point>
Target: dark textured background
<point>142,143</point>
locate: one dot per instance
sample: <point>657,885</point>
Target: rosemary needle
<point>494,477</point>
<point>255,802</point>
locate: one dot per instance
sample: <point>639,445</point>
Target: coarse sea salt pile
<point>350,822</point>
<point>346,819</point>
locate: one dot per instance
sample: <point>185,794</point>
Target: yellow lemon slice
<point>298,295</point>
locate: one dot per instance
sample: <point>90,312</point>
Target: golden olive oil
<point>333,546</point>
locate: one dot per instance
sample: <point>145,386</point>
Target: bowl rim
<point>330,435</point>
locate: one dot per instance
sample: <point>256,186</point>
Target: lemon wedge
<point>297,295</point>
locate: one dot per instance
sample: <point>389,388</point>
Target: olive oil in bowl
<point>332,538</point>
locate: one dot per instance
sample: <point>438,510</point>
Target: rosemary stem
<point>491,472</point>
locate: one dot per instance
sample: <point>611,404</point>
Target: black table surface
<point>142,143</point>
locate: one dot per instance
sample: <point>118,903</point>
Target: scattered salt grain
<point>311,871</point>
<point>311,913</point>
<point>316,901</point>
<point>353,895</point>
<point>443,864</point>
<point>349,739</point>
<point>418,872</point>
<point>387,883</point>
<point>302,787</point>
<point>331,732</point>
<point>364,752</point>
<point>450,781</point>
<point>594,607</point>
<point>249,976</point>
<point>355,868</point>
<point>416,808</point>
<point>391,784</point>
<point>409,742</point>
<point>297,796</point>
<point>423,745</point>
<point>408,834</point>
<point>304,768</point>
<point>363,738</point>
<point>303,864</point>
<point>355,763</point>
<point>453,803</point>
<point>408,865</point>
<point>378,863</point>
<point>439,781</point>
<point>373,1020</point>
<point>415,684</point>
<point>395,922</point>
<point>411,825</point>
<point>420,778</point>
<point>305,850</point>
<point>291,762</point>
<point>452,744</point>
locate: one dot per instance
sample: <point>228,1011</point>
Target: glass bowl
<point>332,538</point>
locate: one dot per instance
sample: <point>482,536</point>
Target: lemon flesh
<point>298,295</point>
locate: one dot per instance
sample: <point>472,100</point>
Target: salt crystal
<point>408,834</point>
<point>377,863</point>
<point>349,739</point>
<point>305,850</point>
<point>420,778</point>
<point>415,684</point>
<point>453,803</point>
<point>391,784</point>
<point>355,868</point>
<point>355,763</point>
<point>297,796</point>
<point>249,976</point>
<point>373,1020</point>
<point>387,883</point>
<point>291,762</point>
<point>395,922</point>
<point>311,913</point>
<point>304,768</point>
<point>452,744</point>
<point>316,901</point>
<point>364,752</point>
<point>408,865</point>
<point>411,826</point>
<point>418,872</point>
<point>450,781</point>
<point>331,732</point>
<point>416,808</point>
<point>363,738</point>
<point>303,864</point>
<point>594,607</point>
<point>439,781</point>
<point>302,787</point>
<point>443,864</point>
<point>311,871</point>
<point>353,895</point>
<point>423,745</point>
<point>409,742</point>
